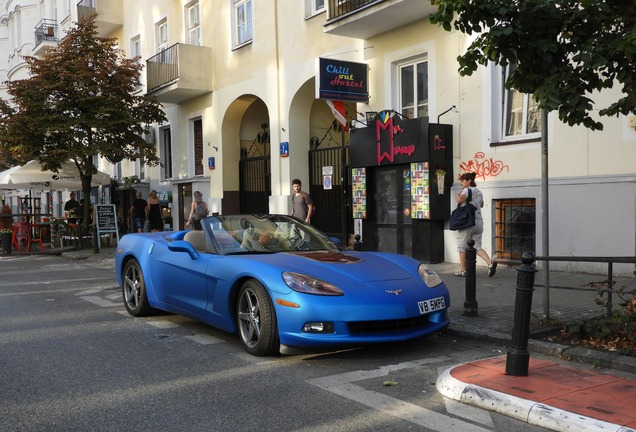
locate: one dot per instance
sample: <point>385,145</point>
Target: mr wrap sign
<point>342,80</point>
<point>390,139</point>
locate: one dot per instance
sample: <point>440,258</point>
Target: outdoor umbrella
<point>31,176</point>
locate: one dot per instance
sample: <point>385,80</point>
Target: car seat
<point>196,239</point>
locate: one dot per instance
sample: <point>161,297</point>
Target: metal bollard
<point>470,304</point>
<point>357,244</point>
<point>518,357</point>
<point>95,239</point>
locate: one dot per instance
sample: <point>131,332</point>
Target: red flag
<point>339,111</point>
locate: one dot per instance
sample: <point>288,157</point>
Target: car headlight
<point>310,285</point>
<point>429,277</point>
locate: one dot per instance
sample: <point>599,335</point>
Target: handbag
<point>464,215</point>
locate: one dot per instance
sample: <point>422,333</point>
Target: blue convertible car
<point>277,281</point>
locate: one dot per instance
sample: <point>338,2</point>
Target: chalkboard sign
<point>106,217</point>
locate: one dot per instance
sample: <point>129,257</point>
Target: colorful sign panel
<point>359,192</point>
<point>342,80</point>
<point>420,191</point>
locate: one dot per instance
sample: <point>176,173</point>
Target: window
<point>242,20</point>
<point>193,25</point>
<point>135,47</point>
<point>520,118</point>
<point>162,35</point>
<point>314,7</point>
<point>166,154</point>
<point>117,171</point>
<point>197,132</point>
<point>140,169</point>
<point>413,89</point>
<point>515,227</point>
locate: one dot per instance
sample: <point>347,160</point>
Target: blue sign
<point>284,149</point>
<point>211,163</point>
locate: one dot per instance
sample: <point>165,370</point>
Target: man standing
<point>72,208</point>
<point>138,212</point>
<point>302,205</point>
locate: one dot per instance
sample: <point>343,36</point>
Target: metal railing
<point>579,259</point>
<point>340,8</point>
<point>162,68</point>
<point>86,8</point>
<point>46,30</point>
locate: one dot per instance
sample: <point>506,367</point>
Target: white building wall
<point>592,193</point>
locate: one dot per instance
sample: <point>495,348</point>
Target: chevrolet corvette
<point>278,282</point>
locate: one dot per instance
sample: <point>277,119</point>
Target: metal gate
<point>255,184</point>
<point>333,206</point>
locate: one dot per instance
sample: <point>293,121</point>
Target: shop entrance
<point>392,197</point>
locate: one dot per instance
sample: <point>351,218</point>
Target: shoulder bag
<point>464,215</point>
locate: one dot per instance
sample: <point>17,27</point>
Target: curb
<point>530,412</point>
<point>577,354</point>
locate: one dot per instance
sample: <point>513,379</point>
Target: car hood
<point>362,267</point>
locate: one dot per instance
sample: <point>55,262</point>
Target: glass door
<point>393,209</point>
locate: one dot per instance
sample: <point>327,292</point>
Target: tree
<point>78,102</point>
<point>564,50</point>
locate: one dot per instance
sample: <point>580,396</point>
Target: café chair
<point>20,235</point>
<point>35,236</point>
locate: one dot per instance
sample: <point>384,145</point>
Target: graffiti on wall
<point>484,167</point>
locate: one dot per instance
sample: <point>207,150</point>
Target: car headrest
<point>196,239</point>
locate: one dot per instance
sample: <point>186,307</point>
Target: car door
<point>183,282</point>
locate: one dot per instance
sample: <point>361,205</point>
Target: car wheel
<point>256,320</point>
<point>134,290</point>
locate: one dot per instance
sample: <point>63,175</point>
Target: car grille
<point>387,326</point>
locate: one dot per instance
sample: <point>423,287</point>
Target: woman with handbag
<point>467,181</point>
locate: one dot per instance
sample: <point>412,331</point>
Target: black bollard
<point>95,239</point>
<point>470,304</point>
<point>357,244</point>
<point>518,357</point>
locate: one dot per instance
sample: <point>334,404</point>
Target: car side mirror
<point>183,246</point>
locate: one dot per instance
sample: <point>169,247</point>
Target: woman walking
<point>155,221</point>
<point>467,180</point>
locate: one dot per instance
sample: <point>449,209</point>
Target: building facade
<point>238,82</point>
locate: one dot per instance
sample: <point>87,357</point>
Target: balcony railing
<point>110,14</point>
<point>179,73</point>
<point>86,8</point>
<point>163,68</point>
<point>339,8</point>
<point>363,19</point>
<point>46,30</point>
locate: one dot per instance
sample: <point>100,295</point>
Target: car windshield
<point>239,234</point>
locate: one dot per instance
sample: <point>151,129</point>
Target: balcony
<point>46,36</point>
<point>110,14</point>
<point>179,73</point>
<point>363,19</point>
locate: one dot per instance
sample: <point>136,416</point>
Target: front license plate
<point>431,305</point>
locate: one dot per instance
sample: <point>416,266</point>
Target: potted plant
<point>441,175</point>
<point>6,229</point>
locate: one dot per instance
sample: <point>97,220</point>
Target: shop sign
<point>342,80</point>
<point>390,139</point>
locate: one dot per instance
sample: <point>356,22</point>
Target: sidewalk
<point>593,391</point>
<point>577,390</point>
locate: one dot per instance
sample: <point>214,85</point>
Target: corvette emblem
<point>396,292</point>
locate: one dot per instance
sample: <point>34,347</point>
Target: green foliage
<point>565,50</point>
<point>78,102</point>
<point>615,331</point>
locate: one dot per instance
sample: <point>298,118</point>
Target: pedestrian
<point>302,204</point>
<point>155,221</point>
<point>138,212</point>
<point>71,209</point>
<point>467,180</point>
<point>198,210</point>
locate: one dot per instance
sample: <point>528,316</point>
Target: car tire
<point>256,320</point>
<point>134,290</point>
